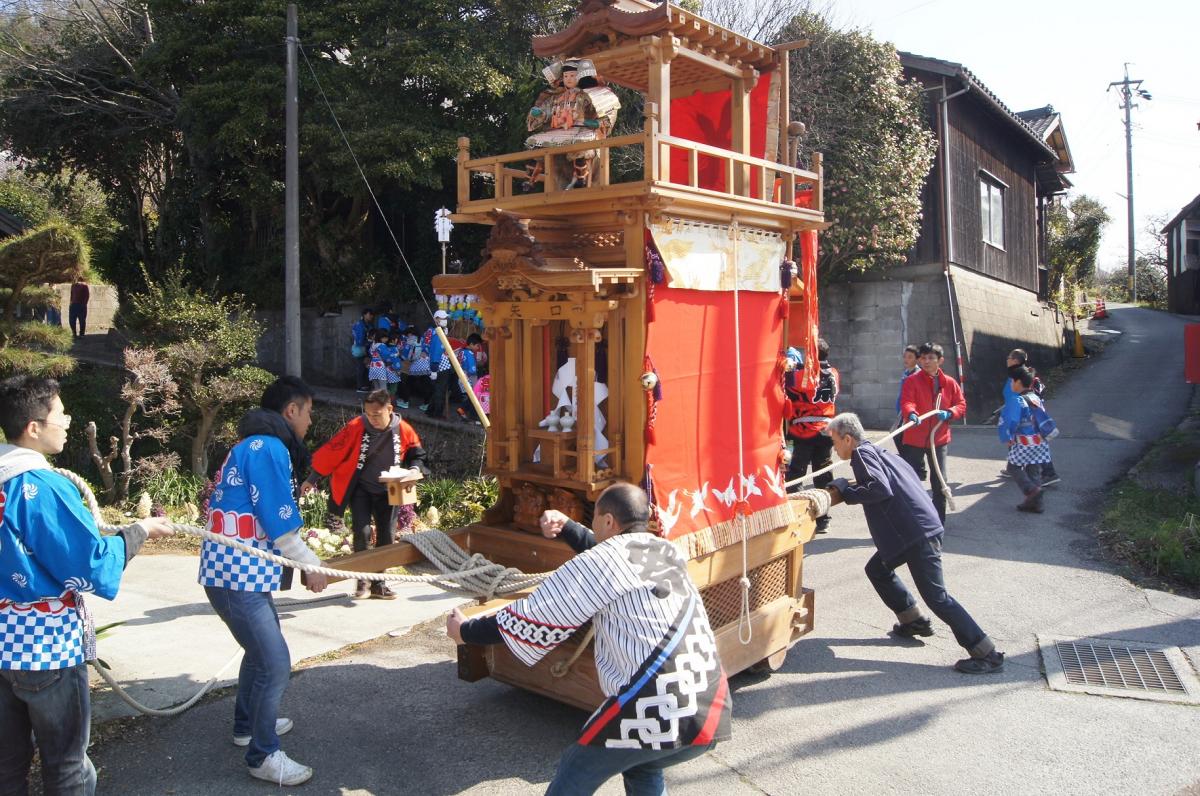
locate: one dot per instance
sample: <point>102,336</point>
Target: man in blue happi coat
<point>51,554</point>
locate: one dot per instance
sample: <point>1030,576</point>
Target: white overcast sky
<point>1064,53</point>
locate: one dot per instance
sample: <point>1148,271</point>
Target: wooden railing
<point>744,176</point>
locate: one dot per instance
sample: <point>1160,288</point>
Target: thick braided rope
<point>899,430</point>
<point>473,573</point>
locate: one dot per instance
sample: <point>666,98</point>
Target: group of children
<point>413,367</point>
<point>1024,426</point>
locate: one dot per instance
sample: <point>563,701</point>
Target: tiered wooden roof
<point>609,30</point>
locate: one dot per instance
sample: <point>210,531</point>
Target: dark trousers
<point>583,769</point>
<point>816,453</point>
<point>417,389</point>
<point>1028,477</point>
<point>366,508</point>
<point>916,458</point>
<point>924,562</point>
<point>441,389</point>
<point>77,314</point>
<point>360,374</point>
<point>52,709</point>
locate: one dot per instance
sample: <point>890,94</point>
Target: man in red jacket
<point>924,391</point>
<point>353,459</point>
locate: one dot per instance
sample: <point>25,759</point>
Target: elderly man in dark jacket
<point>906,530</point>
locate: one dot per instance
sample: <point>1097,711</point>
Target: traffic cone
<point>1100,312</point>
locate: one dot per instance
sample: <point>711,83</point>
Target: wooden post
<point>739,118</point>
<point>818,167</point>
<point>650,148</point>
<point>585,403</point>
<point>464,176</point>
<point>632,401</point>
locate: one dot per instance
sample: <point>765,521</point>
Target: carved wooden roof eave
<point>612,23</point>
<point>497,276</point>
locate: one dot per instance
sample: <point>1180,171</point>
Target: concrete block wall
<point>324,346</point>
<point>102,306</point>
<point>868,323</point>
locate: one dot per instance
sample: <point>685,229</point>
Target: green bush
<point>1157,529</point>
<point>458,503</point>
<point>173,487</point>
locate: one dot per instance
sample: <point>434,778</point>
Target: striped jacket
<point>656,656</point>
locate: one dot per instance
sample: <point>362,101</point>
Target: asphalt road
<point>852,711</point>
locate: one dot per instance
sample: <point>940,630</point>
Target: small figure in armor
<point>578,110</point>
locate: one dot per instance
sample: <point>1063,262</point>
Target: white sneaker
<point>282,727</point>
<point>281,769</point>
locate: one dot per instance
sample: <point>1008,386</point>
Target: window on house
<point>991,206</point>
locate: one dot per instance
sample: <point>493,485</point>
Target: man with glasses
<point>50,544</point>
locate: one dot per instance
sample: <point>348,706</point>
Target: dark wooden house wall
<point>979,139</point>
<point>981,142</point>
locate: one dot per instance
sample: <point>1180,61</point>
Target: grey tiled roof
<point>1039,119</point>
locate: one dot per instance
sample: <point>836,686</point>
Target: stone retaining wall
<point>868,323</point>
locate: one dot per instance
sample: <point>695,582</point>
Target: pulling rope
<point>745,629</point>
<point>899,430</point>
<point>473,574</point>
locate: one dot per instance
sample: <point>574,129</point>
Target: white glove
<point>433,375</point>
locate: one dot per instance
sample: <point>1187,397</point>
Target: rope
<point>474,574</point>
<point>745,630</point>
<point>900,430</point>
<point>561,668</point>
<point>161,712</point>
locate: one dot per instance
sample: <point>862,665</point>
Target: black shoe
<point>364,588</point>
<point>1032,502</point>
<point>822,527</point>
<point>918,627</point>
<point>989,664</point>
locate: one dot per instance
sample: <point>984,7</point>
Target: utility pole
<point>1127,89</point>
<point>291,207</point>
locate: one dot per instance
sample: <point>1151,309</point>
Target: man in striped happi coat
<point>667,696</point>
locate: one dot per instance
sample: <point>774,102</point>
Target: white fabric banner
<point>701,256</point>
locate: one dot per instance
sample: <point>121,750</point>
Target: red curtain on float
<point>693,457</point>
<point>704,117</point>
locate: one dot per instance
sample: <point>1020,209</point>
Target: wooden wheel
<point>771,663</point>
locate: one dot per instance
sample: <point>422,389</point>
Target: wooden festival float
<point>619,310</point>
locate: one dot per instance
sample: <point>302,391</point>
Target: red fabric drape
<point>691,343</point>
<point>705,117</point>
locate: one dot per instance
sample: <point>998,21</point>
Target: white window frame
<point>991,189</point>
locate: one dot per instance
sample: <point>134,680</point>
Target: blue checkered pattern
<point>226,568</point>
<point>37,641</point>
<point>1029,454</point>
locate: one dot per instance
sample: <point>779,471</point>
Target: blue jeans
<point>51,708</point>
<point>583,769</point>
<point>924,562</point>
<point>77,318</point>
<point>266,666</point>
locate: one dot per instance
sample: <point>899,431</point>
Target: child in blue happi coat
<point>1021,422</point>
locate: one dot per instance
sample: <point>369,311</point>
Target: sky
<point>1065,53</point>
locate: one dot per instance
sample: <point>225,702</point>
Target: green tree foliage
<point>36,198</point>
<point>1073,240</point>
<point>53,252</point>
<point>209,344</point>
<point>176,108</point>
<point>869,123</point>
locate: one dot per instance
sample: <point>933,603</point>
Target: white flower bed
<point>326,543</point>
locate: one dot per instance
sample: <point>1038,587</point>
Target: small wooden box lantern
<point>401,486</point>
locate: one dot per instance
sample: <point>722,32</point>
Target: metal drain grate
<point>1119,668</point>
<point>1111,666</point>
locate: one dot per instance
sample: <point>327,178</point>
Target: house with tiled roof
<point>976,279</point>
